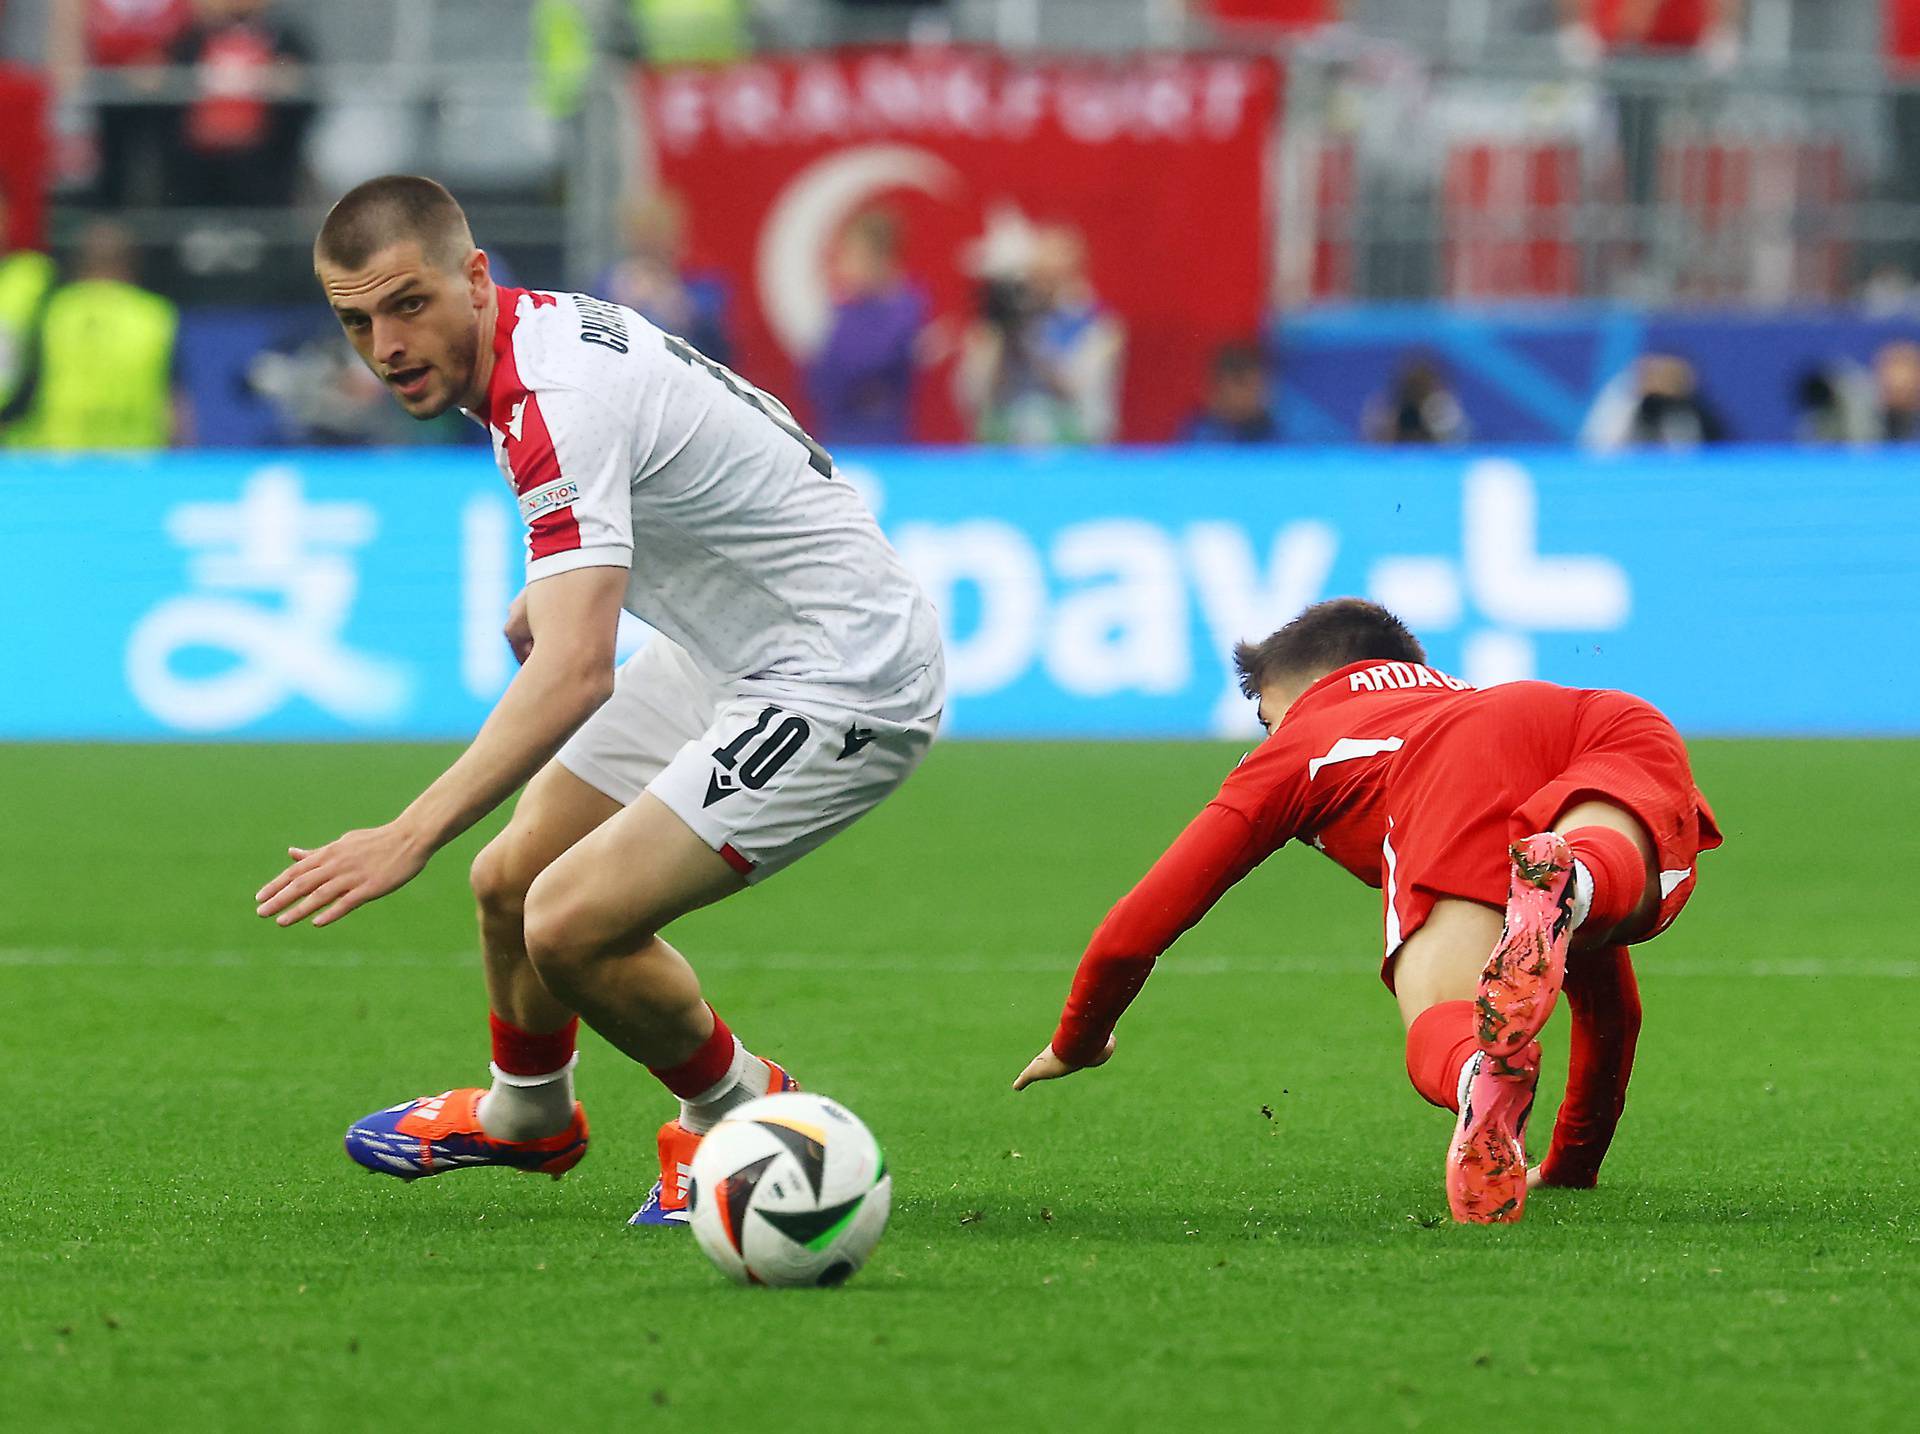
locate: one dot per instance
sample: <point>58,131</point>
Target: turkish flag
<point>1158,160</point>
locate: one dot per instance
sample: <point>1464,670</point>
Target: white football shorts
<point>763,780</point>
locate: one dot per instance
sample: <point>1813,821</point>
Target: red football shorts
<point>1510,770</point>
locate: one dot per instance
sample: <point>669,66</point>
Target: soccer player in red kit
<point>1510,830</point>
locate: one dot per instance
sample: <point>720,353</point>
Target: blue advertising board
<point>329,595</point>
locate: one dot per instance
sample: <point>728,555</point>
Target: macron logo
<point>513,420</point>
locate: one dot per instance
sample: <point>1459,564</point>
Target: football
<point>790,1189</point>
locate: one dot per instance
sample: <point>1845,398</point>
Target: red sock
<point>523,1053</point>
<point>1439,1042</point>
<point>1604,1003</point>
<point>1619,875</point>
<point>704,1069</point>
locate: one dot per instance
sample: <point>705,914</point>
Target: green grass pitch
<point>1239,1224</point>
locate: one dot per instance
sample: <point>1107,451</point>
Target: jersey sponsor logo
<point>857,737</point>
<point>1349,749</point>
<point>1389,676</point>
<point>561,493</point>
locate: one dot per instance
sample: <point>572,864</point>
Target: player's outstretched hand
<point>329,882</point>
<point>1048,1066</point>
<point>1537,1179</point>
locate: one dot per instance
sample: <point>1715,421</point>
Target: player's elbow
<point>579,679</point>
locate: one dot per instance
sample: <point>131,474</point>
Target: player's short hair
<point>1326,636</point>
<point>393,209</point>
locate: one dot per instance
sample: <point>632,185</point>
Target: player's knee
<point>501,875</point>
<point>556,933</point>
<point>567,935</point>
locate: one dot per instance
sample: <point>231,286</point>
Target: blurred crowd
<point>89,356</point>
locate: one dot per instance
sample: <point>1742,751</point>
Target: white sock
<point>1582,893</point>
<point>1468,1068</point>
<point>746,1079</point>
<point>522,1107</point>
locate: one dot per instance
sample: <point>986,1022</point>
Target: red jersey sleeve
<point>1215,851</point>
<point>571,467</point>
<point>1258,811</point>
<point>568,455</point>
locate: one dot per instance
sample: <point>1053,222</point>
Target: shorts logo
<point>719,784</point>
<point>560,493</point>
<point>857,737</point>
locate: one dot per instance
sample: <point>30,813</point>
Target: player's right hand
<point>1048,1066</point>
<point>519,629</point>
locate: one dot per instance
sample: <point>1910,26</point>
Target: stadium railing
<point>1473,180</point>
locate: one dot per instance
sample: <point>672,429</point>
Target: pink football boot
<point>1487,1161</point>
<point>1522,978</point>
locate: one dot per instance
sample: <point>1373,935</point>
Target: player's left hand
<point>332,880</point>
<point>1048,1066</point>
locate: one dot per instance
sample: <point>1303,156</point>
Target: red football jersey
<point>1414,781</point>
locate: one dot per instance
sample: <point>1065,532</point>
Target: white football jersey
<point>628,448</point>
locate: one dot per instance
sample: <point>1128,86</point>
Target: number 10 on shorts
<point>756,756</point>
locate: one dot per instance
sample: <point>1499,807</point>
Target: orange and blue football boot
<point>667,1201</point>
<point>438,1133</point>
<point>1523,977</point>
<point>1487,1160</point>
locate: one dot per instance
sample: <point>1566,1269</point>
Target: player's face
<point>1275,698</point>
<point>419,327</point>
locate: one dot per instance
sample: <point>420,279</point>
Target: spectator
<point>1042,362</point>
<point>1418,408</point>
<point>566,35</point>
<point>26,279</point>
<point>861,381</point>
<point>1836,403</point>
<point>1657,403</point>
<point>1236,408</point>
<point>685,32</point>
<point>1896,379</point>
<point>653,278</point>
<point>240,137</point>
<point>122,42</point>
<point>105,378</point>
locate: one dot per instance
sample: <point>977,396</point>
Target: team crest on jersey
<point>560,493</point>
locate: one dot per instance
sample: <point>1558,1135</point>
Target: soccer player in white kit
<point>795,678</point>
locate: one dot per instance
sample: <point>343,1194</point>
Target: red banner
<point>1159,161</point>
<point>23,155</point>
